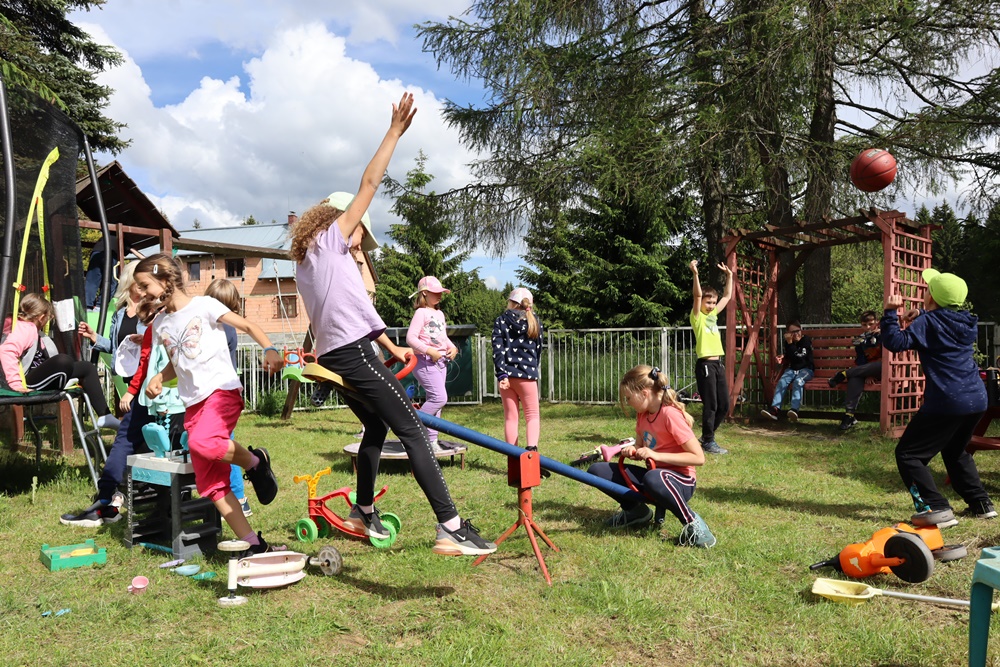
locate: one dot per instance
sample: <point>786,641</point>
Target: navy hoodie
<point>943,339</point>
<point>514,353</point>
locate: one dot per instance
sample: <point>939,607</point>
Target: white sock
<point>453,524</point>
<point>107,421</point>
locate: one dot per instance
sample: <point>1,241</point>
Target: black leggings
<point>381,403</point>
<point>55,372</point>
<point>711,377</point>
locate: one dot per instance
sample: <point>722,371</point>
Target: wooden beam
<point>230,249</point>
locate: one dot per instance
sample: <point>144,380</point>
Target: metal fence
<point>578,366</point>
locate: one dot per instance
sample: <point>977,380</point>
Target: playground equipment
<point>855,592</point>
<point>321,517</point>
<point>317,373</point>
<point>272,569</point>
<point>907,552</point>
<point>603,453</point>
<point>524,472</point>
<point>295,361</point>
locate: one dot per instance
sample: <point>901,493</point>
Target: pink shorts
<point>208,425</point>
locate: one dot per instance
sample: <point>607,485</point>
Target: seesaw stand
<point>524,473</point>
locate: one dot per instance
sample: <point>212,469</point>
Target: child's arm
<point>500,341</point>
<point>693,454</point>
<point>695,289</point>
<point>10,355</point>
<point>402,115</point>
<point>895,339</point>
<point>272,360</point>
<point>397,353</point>
<point>727,292</point>
<point>413,336</point>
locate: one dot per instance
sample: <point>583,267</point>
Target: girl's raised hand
<point>403,113</point>
<point>725,268</point>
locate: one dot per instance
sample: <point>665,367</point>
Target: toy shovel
<point>855,592</point>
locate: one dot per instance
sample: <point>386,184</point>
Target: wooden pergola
<point>752,335</point>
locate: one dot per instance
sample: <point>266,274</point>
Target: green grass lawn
<point>785,497</point>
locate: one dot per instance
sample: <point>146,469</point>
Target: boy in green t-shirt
<point>709,370</point>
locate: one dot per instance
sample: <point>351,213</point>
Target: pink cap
<point>519,295</point>
<point>430,284</point>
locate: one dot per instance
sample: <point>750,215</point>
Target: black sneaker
<point>982,509</point>
<point>369,524</point>
<point>320,393</point>
<point>771,414</point>
<point>848,422</point>
<point>463,542</point>
<point>639,515</point>
<point>94,516</point>
<point>712,447</point>
<point>839,377</point>
<point>264,483</point>
<point>255,549</point>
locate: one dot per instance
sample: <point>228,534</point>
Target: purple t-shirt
<point>334,294</point>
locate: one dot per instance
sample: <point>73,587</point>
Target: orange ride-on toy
<point>321,517</point>
<point>907,552</point>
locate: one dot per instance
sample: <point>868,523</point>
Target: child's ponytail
<point>533,329</point>
<point>652,378</point>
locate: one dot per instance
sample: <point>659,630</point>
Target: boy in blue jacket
<point>954,399</point>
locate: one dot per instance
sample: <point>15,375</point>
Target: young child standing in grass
<point>31,361</point>
<point>710,371</point>
<point>663,435</point>
<point>954,399</point>
<point>517,346</point>
<point>345,322</point>
<point>797,359</point>
<point>225,292</point>
<point>191,330</point>
<point>428,337</point>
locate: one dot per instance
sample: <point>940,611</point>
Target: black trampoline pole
<point>106,278</point>
<point>6,145</point>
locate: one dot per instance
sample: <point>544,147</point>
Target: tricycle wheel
<point>950,552</point>
<point>322,527</point>
<point>390,518</point>
<point>385,542</point>
<point>329,560</point>
<point>306,530</point>
<point>919,562</point>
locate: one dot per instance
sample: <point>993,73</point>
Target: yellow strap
<point>36,201</point>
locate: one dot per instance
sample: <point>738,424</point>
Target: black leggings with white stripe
<point>55,372</point>
<point>381,403</point>
<point>670,489</point>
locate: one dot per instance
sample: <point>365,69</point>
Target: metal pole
<point>6,145</point>
<point>106,278</point>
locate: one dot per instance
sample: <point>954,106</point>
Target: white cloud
<point>309,123</point>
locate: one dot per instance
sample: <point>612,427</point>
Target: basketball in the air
<point>873,169</point>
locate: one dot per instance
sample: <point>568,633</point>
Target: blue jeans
<point>92,279</point>
<point>128,441</point>
<point>798,380</point>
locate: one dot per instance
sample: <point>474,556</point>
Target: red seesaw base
<point>524,473</point>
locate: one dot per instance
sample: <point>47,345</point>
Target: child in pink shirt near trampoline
<point>517,347</point>
<point>428,337</point>
<point>191,329</point>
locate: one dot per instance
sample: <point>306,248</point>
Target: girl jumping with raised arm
<point>191,330</point>
<point>344,322</point>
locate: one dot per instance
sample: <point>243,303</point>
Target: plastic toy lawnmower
<point>321,518</point>
<point>903,550</point>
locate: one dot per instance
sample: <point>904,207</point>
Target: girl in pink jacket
<point>428,336</point>
<point>31,361</point>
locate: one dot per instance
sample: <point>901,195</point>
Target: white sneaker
<point>436,446</point>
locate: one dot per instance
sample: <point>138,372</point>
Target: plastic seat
<point>985,579</point>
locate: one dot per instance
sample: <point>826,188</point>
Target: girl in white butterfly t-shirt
<point>191,330</point>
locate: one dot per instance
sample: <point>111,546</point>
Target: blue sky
<point>237,108</point>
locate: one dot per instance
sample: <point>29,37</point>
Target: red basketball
<point>873,169</point>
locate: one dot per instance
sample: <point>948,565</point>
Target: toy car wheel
<point>322,527</point>
<point>306,530</point>
<point>919,563</point>
<point>390,518</point>
<point>385,542</point>
<point>950,552</point>
<point>329,561</point>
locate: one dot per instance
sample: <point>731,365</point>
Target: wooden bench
<point>833,351</point>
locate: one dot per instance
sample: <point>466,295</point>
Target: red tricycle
<point>321,517</point>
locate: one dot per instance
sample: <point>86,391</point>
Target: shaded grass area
<point>787,496</point>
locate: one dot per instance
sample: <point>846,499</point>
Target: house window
<point>194,271</point>
<point>235,267</point>
<point>286,306</point>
